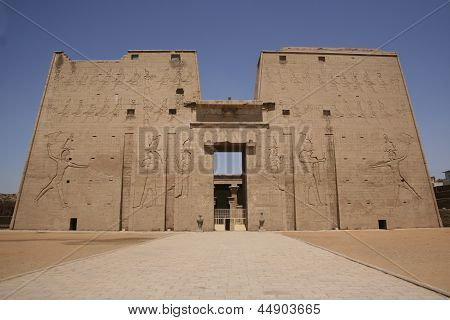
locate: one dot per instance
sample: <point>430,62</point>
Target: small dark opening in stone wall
<point>172,111</point>
<point>73,224</point>
<point>382,224</point>
<point>175,57</point>
<point>180,91</point>
<point>134,56</point>
<point>321,59</point>
<point>286,112</point>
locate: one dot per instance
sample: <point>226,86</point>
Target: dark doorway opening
<point>382,224</point>
<point>73,224</point>
<point>230,192</point>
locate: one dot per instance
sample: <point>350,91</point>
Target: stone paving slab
<point>214,265</point>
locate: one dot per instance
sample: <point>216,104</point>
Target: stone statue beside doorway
<point>200,223</point>
<point>261,221</point>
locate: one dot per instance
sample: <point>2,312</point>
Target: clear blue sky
<point>228,36</point>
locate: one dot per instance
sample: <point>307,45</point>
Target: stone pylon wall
<point>330,142</point>
<point>92,159</point>
<point>358,158</point>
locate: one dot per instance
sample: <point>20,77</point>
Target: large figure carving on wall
<point>394,158</point>
<point>63,161</point>
<point>310,163</point>
<point>150,163</point>
<point>184,166</point>
<point>275,162</point>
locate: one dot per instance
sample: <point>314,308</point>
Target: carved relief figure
<point>184,164</point>
<point>321,77</point>
<point>348,110</point>
<point>82,79</point>
<point>302,110</point>
<point>343,81</point>
<point>275,163</point>
<point>63,110</point>
<point>310,163</point>
<point>333,83</point>
<point>117,107</point>
<point>103,110</point>
<point>359,109</point>
<point>163,109</point>
<point>356,83</point>
<point>394,158</point>
<point>274,157</point>
<point>382,109</point>
<point>371,109</point>
<point>119,78</point>
<point>369,83</point>
<point>90,111</point>
<point>335,112</point>
<point>152,159</point>
<point>106,78</point>
<point>164,78</point>
<point>148,76</point>
<point>148,108</point>
<point>381,81</point>
<point>134,79</point>
<point>63,162</point>
<point>395,84</point>
<point>77,112</point>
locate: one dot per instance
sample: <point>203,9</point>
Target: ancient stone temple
<point>329,142</point>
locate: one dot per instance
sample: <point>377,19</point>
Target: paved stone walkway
<point>214,265</point>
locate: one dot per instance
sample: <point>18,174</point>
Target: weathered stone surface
<point>329,142</point>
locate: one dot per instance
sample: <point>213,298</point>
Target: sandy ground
<point>422,254</point>
<point>23,251</point>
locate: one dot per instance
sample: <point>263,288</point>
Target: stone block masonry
<point>329,141</point>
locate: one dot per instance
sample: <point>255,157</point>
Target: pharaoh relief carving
<point>135,78</point>
<point>380,81</point>
<point>164,80</point>
<point>150,165</point>
<point>148,108</point>
<point>367,80</point>
<point>295,78</point>
<point>184,165</point>
<point>162,109</point>
<point>310,167</point>
<point>275,162</point>
<point>148,77</point>
<point>63,162</point>
<point>394,158</point>
<point>104,109</point>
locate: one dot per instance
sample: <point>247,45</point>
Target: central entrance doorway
<point>230,188</point>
